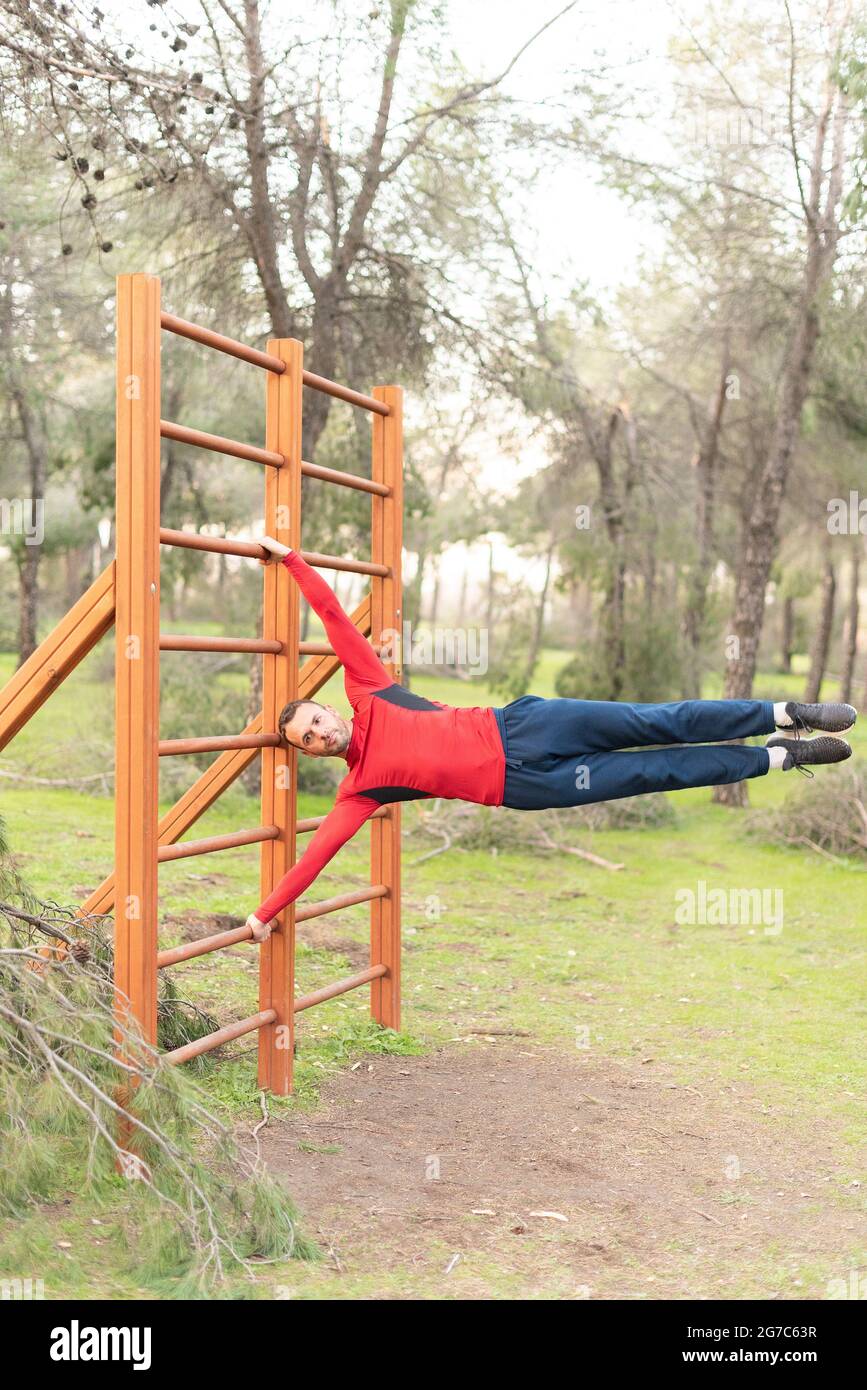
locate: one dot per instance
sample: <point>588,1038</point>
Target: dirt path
<point>550,1176</point>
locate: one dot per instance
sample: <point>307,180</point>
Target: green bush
<point>318,776</point>
<point>195,702</point>
<point>651,669</point>
<point>827,815</point>
<point>8,611</point>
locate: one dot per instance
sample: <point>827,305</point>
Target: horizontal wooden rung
<point>335,475</point>
<point>227,545</point>
<point>222,1035</point>
<point>325,649</point>
<point>337,562</point>
<point>218,545</point>
<point>312,822</point>
<point>345,393</point>
<point>173,955</point>
<point>362,895</point>
<point>172,642</point>
<point>315,649</point>
<point>318,996</point>
<point>170,747</point>
<point>208,338</point>
<point>187,848</point>
<point>218,444</point>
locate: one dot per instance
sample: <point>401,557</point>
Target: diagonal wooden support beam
<point>223,772</point>
<point>62,650</point>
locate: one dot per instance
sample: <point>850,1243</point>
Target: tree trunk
<point>761,539</point>
<point>173,408</point>
<point>414,592</point>
<point>77,565</point>
<point>575,596</point>
<point>822,636</point>
<point>613,614</point>
<point>28,608</point>
<point>760,542</point>
<point>651,566</point>
<point>539,625</point>
<point>489,595</point>
<point>787,635</point>
<point>462,597</point>
<point>850,642</point>
<point>705,462</point>
<point>323,361</point>
<point>616,510</point>
<point>251,778</point>
<point>435,594</point>
<point>28,567</point>
<point>613,623</point>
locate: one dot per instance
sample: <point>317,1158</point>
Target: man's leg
<point>537,727</point>
<point>607,776</point>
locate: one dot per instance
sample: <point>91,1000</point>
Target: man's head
<point>314,729</point>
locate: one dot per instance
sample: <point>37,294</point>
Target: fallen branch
<point>36,922</point>
<point>465,826</point>
<point>811,844</point>
<point>501,1032</point>
<point>60,1036</point>
<point>441,849</point>
<point>707,1216</point>
<point>76,783</point>
<point>581,853</point>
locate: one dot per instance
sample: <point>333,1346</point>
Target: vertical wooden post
<point>137,651</point>
<point>386,618</point>
<point>280,684</point>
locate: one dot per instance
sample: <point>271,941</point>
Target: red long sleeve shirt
<point>402,747</point>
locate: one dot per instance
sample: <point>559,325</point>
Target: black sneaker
<point>829,719</point>
<point>810,750</point>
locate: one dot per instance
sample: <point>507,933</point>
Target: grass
<point>577,956</point>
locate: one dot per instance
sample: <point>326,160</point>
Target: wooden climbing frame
<point>129,592</point>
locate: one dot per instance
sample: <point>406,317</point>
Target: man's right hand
<point>277,548</point>
<point>260,930</point>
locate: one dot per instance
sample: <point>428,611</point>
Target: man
<point>530,754</point>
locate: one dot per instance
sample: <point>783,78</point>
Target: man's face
<point>319,731</point>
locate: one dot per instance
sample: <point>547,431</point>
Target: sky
<point>580,227</point>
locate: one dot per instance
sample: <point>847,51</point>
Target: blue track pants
<point>570,752</point>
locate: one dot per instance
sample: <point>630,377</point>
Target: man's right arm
<point>343,820</point>
<point>363,672</point>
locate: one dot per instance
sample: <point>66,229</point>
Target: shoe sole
<point>781,740</point>
<point>838,733</point>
